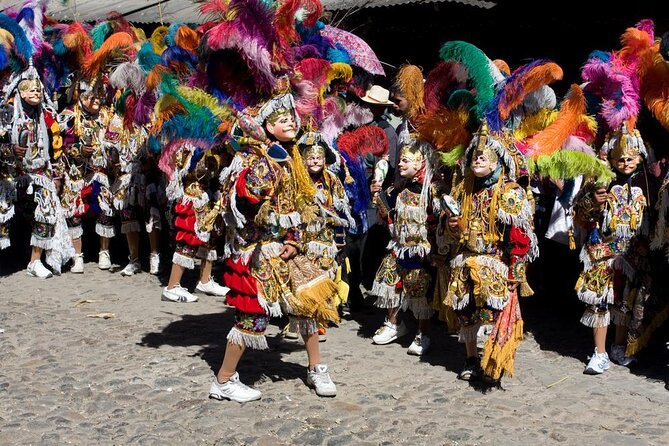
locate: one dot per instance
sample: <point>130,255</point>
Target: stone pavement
<point>99,359</point>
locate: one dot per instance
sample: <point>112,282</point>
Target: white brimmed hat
<point>377,95</point>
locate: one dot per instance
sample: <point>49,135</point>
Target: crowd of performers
<point>269,149</point>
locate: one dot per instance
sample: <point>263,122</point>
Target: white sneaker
<point>78,266</point>
<point>389,332</point>
<point>37,269</point>
<point>178,294</point>
<point>598,364</point>
<point>420,345</point>
<point>233,390</point>
<point>618,356</point>
<point>319,379</point>
<point>154,263</point>
<point>104,261</point>
<point>131,268</point>
<point>212,288</point>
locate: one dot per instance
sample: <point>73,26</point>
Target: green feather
<point>567,164</point>
<point>451,158</point>
<point>99,33</point>
<point>477,64</point>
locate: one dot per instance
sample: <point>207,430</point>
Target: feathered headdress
<point>614,79</point>
<point>244,50</point>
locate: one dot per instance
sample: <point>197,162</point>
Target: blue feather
<point>99,33</point>
<point>495,121</point>
<point>4,60</point>
<point>338,54</point>
<point>604,56</point>
<point>197,156</point>
<point>154,145</point>
<point>59,49</point>
<point>147,58</point>
<point>28,15</point>
<point>22,45</point>
<point>177,54</point>
<point>171,34</point>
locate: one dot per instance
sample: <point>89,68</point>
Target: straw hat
<point>377,95</point>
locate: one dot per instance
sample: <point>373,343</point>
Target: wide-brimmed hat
<point>377,95</point>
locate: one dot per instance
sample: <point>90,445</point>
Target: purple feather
<point>144,108</point>
<point>512,88</point>
<point>305,52</point>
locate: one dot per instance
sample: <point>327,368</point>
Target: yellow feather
<point>158,39</point>
<point>535,123</point>
<point>204,99</point>
<point>6,38</point>
<point>340,70</point>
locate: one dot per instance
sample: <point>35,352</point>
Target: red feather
<point>364,140</point>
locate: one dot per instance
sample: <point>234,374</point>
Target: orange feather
<point>552,137</point>
<point>655,85</point>
<point>187,38</point>
<point>121,42</point>
<point>444,128</point>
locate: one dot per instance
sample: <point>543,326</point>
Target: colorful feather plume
<point>115,48</point>
<point>410,83</point>
<point>616,88</point>
<point>655,85</point>
<point>314,69</point>
<point>479,71</point>
<point>147,58</point>
<point>187,38</point>
<point>445,128</point>
<point>128,76</point>
<point>158,39</point>
<point>21,45</point>
<point>31,19</point>
<point>249,32</point>
<point>144,108</point>
<point>99,34</point>
<point>364,140</point>
<point>523,81</point>
<point>441,81</point>
<point>565,124</point>
<point>77,41</point>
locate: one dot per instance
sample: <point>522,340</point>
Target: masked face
<point>91,103</point>
<point>409,166</point>
<point>315,164</point>
<point>482,166</point>
<point>31,95</point>
<point>283,127</point>
<point>627,164</point>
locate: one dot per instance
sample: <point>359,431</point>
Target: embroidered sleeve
<point>516,211</point>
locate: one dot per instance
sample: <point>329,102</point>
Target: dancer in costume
<point>402,281</point>
<point>266,268</point>
<point>324,238</point>
<point>493,228</point>
<point>31,134</point>
<point>86,161</point>
<point>616,280</point>
<point>29,141</point>
<point>138,192</point>
<point>195,219</point>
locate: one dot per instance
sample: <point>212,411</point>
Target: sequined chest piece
<point>626,208</point>
<point>478,220</point>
